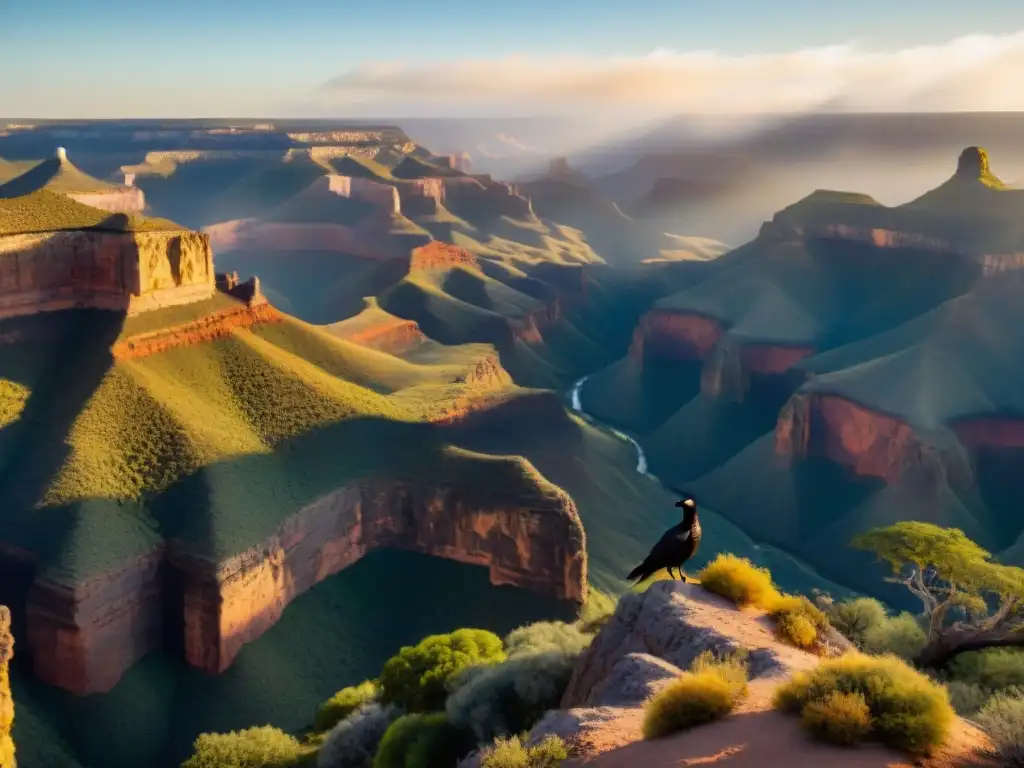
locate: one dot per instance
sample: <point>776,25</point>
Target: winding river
<point>577,406</point>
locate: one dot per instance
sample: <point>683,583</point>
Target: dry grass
<point>709,691</point>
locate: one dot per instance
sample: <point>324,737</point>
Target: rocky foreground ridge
<point>651,638</point>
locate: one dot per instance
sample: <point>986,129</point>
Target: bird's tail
<point>638,573</point>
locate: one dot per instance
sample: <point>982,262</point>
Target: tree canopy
<point>946,570</point>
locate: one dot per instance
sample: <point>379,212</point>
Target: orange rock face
<point>232,603</point>
<point>83,638</point>
<point>214,326</point>
<point>437,255</point>
<point>677,336</point>
<point>394,336</point>
<point>868,443</point>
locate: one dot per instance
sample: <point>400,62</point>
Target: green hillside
<point>48,211</point>
<point>56,176</point>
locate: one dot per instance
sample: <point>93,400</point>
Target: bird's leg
<point>685,578</point>
<point>669,569</point>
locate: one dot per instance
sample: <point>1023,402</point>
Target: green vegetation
<point>508,697</point>
<point>510,753</point>
<point>798,621</point>
<point>1003,721</point>
<point>54,176</point>
<point>46,211</point>
<point>839,718</point>
<point>263,747</point>
<point>951,574</point>
<point>415,678</point>
<point>421,741</point>
<point>343,703</point>
<point>908,711</point>
<point>709,691</point>
<point>353,741</point>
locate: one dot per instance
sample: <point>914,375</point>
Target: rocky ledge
<point>84,638</point>
<point>728,367</point>
<point>651,638</point>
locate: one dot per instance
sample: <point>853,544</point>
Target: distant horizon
<point>109,59</point>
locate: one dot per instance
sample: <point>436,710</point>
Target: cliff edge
<point>6,700</point>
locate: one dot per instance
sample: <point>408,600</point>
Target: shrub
<point>262,747</point>
<point>353,742</point>
<point>900,635</point>
<point>545,636</point>
<point>908,710</point>
<point>993,668</point>
<point>343,703</point>
<point>739,580</point>
<point>798,621</point>
<point>1003,720</point>
<point>415,678</point>
<point>510,753</point>
<point>796,630</point>
<point>512,696</point>
<point>967,698</point>
<point>709,691</point>
<point>839,718</point>
<point>855,618</point>
<point>421,741</point>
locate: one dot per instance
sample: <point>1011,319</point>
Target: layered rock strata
<point>84,637</point>
<point>231,603</point>
<point>128,271</point>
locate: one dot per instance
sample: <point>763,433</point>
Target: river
<point>577,406</point>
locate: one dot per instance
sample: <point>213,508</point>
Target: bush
<point>839,718</point>
<point>739,580</point>
<point>709,691</point>
<point>967,698</point>
<point>343,703</point>
<point>262,747</point>
<point>992,668</point>
<point>545,636</point>
<point>908,710</point>
<point>512,696</point>
<point>796,630</point>
<point>510,753</point>
<point>415,678</point>
<point>1003,720</point>
<point>798,621</point>
<point>900,635</point>
<point>353,742</point>
<point>855,618</point>
<point>421,741</point>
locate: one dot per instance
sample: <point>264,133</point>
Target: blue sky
<point>108,58</point>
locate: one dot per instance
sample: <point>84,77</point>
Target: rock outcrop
<point>129,271</point>
<point>648,642</point>
<point>84,637</point>
<point>6,699</point>
<point>231,603</point>
<point>869,443</point>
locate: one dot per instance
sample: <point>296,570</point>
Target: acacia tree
<point>946,571</point>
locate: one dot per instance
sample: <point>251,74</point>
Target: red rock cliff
<point>86,636</point>
<point>540,547</point>
<point>865,441</point>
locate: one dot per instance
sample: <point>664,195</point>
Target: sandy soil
<point>755,736</point>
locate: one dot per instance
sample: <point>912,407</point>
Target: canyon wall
<point>230,604</point>
<point>130,271</point>
<point>867,442</point>
<point>84,637</point>
<point>127,200</point>
<point>367,190</point>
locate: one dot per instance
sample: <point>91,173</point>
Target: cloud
<point>972,73</point>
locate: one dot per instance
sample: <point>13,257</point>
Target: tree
<point>945,570</point>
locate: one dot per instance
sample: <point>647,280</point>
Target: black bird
<point>678,545</point>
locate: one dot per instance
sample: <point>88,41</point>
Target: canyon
<point>83,637</point>
<point>132,272</point>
